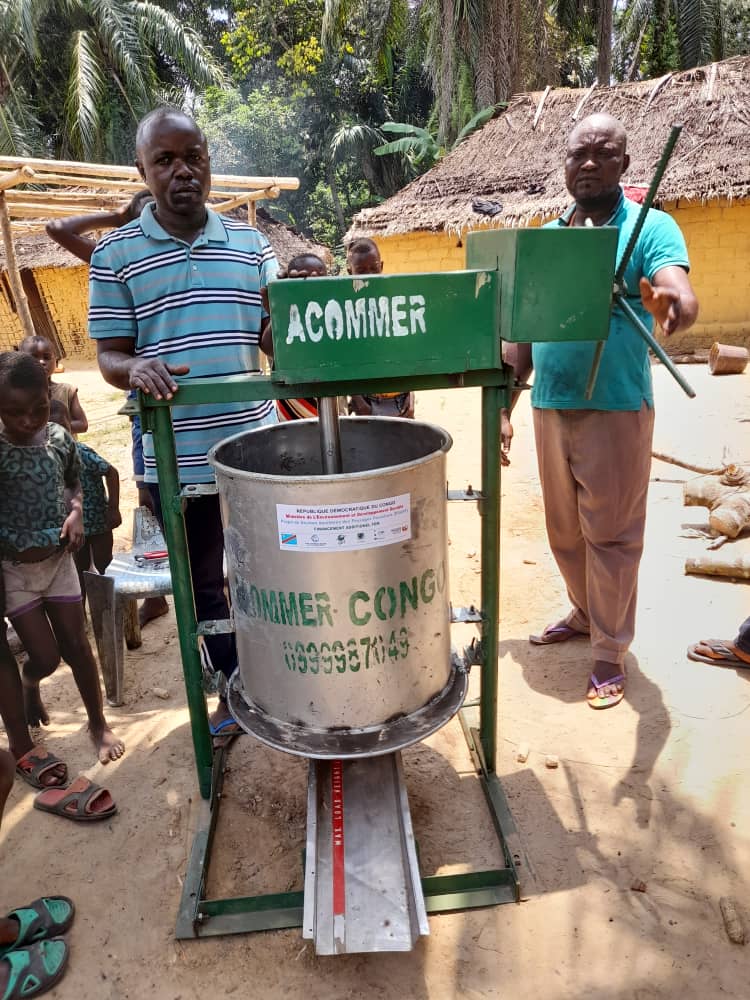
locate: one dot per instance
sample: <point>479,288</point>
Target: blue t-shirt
<point>561,370</point>
<point>197,305</point>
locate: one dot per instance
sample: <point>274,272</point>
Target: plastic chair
<point>113,598</point>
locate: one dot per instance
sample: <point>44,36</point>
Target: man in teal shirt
<point>595,455</point>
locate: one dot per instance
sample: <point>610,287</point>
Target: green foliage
<point>660,49</point>
<point>420,145</point>
<point>284,34</point>
<point>656,36</point>
<point>737,28</point>
<point>260,134</point>
<point>81,72</point>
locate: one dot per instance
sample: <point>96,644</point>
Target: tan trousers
<point>594,467</point>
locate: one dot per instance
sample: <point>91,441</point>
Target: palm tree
<point>82,72</point>
<point>677,34</point>
<point>382,23</point>
<point>472,57</point>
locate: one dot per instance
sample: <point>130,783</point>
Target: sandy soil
<point>654,790</point>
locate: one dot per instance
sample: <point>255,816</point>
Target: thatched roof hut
<point>517,158</point>
<point>516,161</point>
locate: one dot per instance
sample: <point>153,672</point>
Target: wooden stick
<point>14,275</point>
<point>711,82</point>
<point>685,465</point>
<point>240,199</point>
<point>19,176</point>
<point>661,84</point>
<point>252,214</point>
<point>583,100</point>
<point>539,109</point>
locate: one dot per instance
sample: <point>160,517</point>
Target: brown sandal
<point>77,801</point>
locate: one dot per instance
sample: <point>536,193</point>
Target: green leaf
<point>480,118</point>
<point>397,146</point>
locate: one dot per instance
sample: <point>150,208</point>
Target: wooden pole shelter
<point>14,275</point>
<point>81,188</point>
<point>63,188</point>
<point>95,170</point>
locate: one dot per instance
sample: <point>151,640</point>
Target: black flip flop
<point>721,655</point>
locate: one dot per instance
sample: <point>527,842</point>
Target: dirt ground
<point>655,790</point>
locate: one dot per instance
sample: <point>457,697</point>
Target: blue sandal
<point>35,969</point>
<point>46,917</point>
<point>225,732</point>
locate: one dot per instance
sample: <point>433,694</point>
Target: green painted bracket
<point>555,284</point>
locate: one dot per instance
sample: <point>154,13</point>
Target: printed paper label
<point>344,527</point>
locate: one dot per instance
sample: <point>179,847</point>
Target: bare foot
<point>36,713</point>
<point>603,694</point>
<point>152,607</point>
<point>108,746</point>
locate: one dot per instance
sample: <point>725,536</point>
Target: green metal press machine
<point>336,540</point>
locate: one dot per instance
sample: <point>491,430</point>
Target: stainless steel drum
<point>339,586</point>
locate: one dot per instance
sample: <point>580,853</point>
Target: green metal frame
<point>199,916</point>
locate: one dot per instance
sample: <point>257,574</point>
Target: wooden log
<point>14,275</point>
<point>94,170</point>
<point>240,199</point>
<point>20,176</point>
<point>719,564</point>
<point>727,497</point>
<point>252,213</point>
<point>23,210</point>
<point>72,198</point>
<point>126,186</point>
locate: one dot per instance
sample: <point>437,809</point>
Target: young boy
<point>44,352</point>
<point>306,265</point>
<point>101,509</point>
<point>363,257</point>
<point>41,523</point>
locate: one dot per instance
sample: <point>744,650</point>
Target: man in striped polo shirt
<point>177,292</point>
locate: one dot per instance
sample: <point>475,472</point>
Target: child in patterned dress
<point>44,352</point>
<point>41,524</point>
<point>101,508</point>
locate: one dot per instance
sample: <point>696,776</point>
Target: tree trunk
<point>14,275</point>
<point>444,86</point>
<point>604,56</point>
<point>338,210</point>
